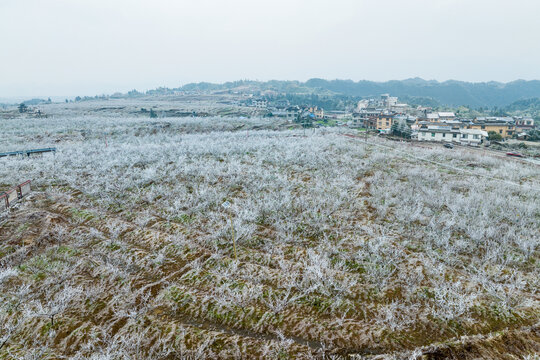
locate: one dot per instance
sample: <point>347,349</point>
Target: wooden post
<point>12,196</point>
<point>3,198</point>
<point>233,238</point>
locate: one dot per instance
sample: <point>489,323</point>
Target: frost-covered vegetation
<point>124,250</point>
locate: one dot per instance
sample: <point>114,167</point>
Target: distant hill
<point>529,107</point>
<point>524,105</point>
<point>36,101</point>
<point>450,93</point>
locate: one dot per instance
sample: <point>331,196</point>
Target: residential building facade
<point>504,128</point>
<point>384,122</point>
<point>472,137</point>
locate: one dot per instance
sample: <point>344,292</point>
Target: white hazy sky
<point>88,47</point>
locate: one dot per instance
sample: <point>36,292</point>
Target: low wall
<point>25,188</point>
<point>12,196</point>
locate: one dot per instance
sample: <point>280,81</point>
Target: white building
<point>401,108</point>
<point>433,117</point>
<point>445,116</point>
<point>388,101</point>
<point>292,113</point>
<point>524,123</point>
<point>473,136</point>
<point>362,104</point>
<point>260,104</point>
<point>439,133</point>
<point>452,134</point>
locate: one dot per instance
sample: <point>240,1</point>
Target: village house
<point>384,121</point>
<point>400,108</point>
<point>451,134</point>
<point>524,124</point>
<point>277,112</point>
<point>373,118</point>
<point>370,122</point>
<point>432,117</point>
<point>503,126</point>
<point>260,104</point>
<point>355,122</point>
<point>438,117</point>
<point>368,116</point>
<point>439,133</point>
<point>317,112</point>
<point>384,103</point>
<point>388,101</point>
<point>408,119</point>
<point>472,136</point>
<point>292,113</point>
<point>446,116</point>
<point>423,122</point>
<point>343,117</point>
<point>370,112</point>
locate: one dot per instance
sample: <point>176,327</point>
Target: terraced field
<point>344,249</point>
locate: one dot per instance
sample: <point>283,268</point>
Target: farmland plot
<point>381,250</point>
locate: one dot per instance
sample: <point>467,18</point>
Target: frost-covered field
<point>124,249</point>
<point>164,106</point>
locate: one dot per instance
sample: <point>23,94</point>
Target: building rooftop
<point>440,129</point>
<point>447,114</point>
<point>494,119</point>
<point>492,123</point>
<point>474,132</point>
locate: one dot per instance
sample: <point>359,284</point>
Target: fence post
<point>4,198</point>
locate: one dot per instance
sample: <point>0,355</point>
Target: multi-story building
<point>384,121</point>
<point>400,108</point>
<point>260,104</point>
<point>388,101</point>
<point>503,126</point>
<point>292,113</point>
<point>317,112</point>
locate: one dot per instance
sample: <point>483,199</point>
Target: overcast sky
<point>88,47</point>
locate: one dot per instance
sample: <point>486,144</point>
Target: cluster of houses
<point>293,113</point>
<point>385,102</point>
<point>446,127</point>
<point>426,125</point>
<point>386,114</point>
